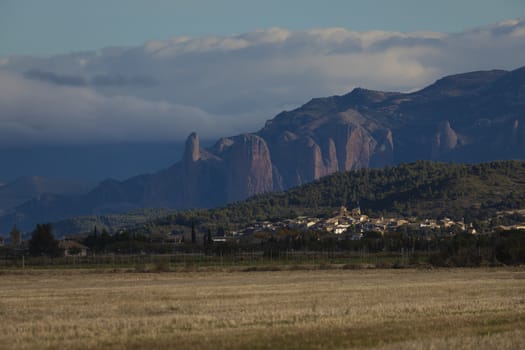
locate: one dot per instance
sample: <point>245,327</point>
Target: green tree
<point>193,233</point>
<point>16,236</point>
<point>207,238</point>
<point>43,242</point>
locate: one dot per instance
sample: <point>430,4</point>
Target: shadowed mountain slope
<point>471,117</point>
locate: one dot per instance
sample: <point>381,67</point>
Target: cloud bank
<point>218,86</point>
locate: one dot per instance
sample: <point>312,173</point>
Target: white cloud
<point>232,83</point>
<point>35,113</point>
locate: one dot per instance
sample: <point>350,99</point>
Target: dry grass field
<point>323,309</point>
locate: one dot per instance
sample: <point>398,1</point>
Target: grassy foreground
<point>386,309</point>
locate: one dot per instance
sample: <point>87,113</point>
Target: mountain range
<point>484,193</point>
<point>470,117</point>
<point>23,189</point>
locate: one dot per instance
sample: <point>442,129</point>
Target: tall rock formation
<point>248,168</point>
<point>361,129</point>
<point>192,149</point>
<point>445,140</point>
<point>356,149</point>
<point>190,170</point>
<point>384,150</point>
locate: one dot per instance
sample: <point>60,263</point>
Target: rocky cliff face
<point>248,168</point>
<point>233,169</point>
<point>445,140</point>
<point>192,150</point>
<point>469,117</point>
<point>314,146</point>
<point>361,129</point>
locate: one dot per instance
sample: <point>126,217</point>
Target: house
<point>311,223</point>
<point>341,228</point>
<point>356,212</point>
<point>471,229</point>
<point>73,248</point>
<point>446,222</point>
<point>428,223</point>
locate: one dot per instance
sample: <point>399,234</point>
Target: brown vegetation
<point>386,309</point>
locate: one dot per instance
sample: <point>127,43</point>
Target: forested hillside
<point>470,117</point>
<point>421,189</point>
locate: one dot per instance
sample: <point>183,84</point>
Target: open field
<point>385,309</point>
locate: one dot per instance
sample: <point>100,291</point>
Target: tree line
<point>461,249</point>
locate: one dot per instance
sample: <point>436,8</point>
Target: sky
<point>75,73</point>
<point>61,26</point>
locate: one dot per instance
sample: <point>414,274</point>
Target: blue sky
<point>77,73</point>
<point>43,27</point>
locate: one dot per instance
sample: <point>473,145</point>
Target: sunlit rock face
<point>471,117</point>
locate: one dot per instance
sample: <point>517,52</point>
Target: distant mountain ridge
<point>25,188</point>
<point>423,189</point>
<point>470,117</point>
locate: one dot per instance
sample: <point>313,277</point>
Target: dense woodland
<point>487,195</point>
<point>421,189</point>
<point>484,194</point>
<point>424,189</point>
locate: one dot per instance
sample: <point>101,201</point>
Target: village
<point>353,224</point>
<point>343,224</point>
